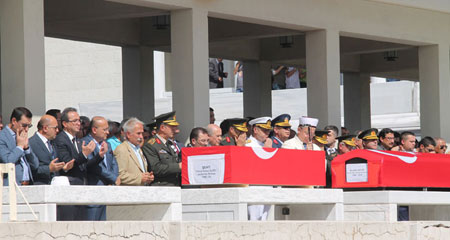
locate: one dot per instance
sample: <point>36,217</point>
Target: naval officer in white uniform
<point>260,138</point>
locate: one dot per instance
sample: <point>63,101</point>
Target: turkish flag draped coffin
<point>374,168</point>
<point>247,165</point>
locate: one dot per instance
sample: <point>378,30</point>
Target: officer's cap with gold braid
<point>166,118</point>
<point>348,139</point>
<point>151,126</point>
<point>238,123</point>
<point>262,122</point>
<point>282,121</point>
<point>321,136</point>
<point>369,134</point>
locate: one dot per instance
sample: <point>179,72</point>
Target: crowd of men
<point>69,149</point>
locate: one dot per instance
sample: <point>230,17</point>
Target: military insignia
<point>227,139</point>
<point>275,141</point>
<point>151,141</point>
<point>286,120</point>
<point>158,141</point>
<point>162,151</point>
<point>373,133</point>
<point>248,141</point>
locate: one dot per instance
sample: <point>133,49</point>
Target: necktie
<point>170,145</point>
<point>104,157</point>
<point>305,146</point>
<point>74,141</point>
<point>50,148</point>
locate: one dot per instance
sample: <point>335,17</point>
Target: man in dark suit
<point>105,173</point>
<point>222,74</point>
<point>42,144</point>
<point>70,148</point>
<point>14,146</point>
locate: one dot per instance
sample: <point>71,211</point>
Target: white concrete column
<point>323,74</point>
<point>167,72</point>
<point>357,101</point>
<point>257,89</point>
<point>22,56</point>
<point>138,83</point>
<point>189,68</point>
<point>160,74</point>
<point>434,76</point>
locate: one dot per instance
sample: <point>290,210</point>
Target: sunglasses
<point>443,147</point>
<point>24,125</point>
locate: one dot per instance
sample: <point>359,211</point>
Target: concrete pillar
<point>323,74</point>
<point>257,89</point>
<point>160,74</point>
<point>357,101</point>
<point>189,69</point>
<point>167,72</point>
<point>22,56</point>
<point>434,76</point>
<point>138,83</point>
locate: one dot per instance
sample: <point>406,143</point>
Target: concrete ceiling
<point>119,24</point>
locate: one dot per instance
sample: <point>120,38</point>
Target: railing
<point>10,169</point>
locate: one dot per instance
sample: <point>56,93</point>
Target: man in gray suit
<point>14,146</point>
<point>214,78</point>
<point>42,144</point>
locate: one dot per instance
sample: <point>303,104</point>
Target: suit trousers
<point>71,213</point>
<point>212,85</point>
<point>96,212</point>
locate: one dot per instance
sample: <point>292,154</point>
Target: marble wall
<point>278,230</point>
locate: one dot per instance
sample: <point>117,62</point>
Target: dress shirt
<point>137,152</point>
<point>99,146</point>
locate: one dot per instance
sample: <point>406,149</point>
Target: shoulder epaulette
<point>151,141</point>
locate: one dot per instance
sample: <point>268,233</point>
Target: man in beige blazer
<point>133,167</point>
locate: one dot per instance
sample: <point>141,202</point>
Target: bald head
<point>214,134</point>
<point>48,127</point>
<point>99,128</point>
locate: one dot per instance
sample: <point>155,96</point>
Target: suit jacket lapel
<point>42,145</point>
<point>166,147</point>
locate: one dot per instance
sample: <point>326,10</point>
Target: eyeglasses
<point>430,149</point>
<point>26,125</point>
<point>74,120</point>
<point>443,147</point>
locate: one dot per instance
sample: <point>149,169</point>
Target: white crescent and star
<point>403,158</point>
<point>263,154</point>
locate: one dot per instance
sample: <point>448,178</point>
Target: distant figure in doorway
<point>239,73</point>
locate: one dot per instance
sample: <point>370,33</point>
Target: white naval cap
<point>309,121</point>
<point>264,122</point>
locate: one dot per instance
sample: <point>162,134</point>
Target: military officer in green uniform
<point>236,135</point>
<point>161,157</point>
<point>346,143</point>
